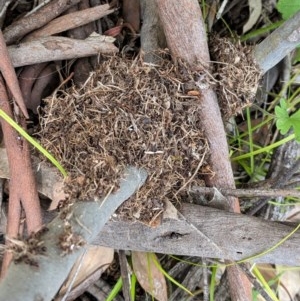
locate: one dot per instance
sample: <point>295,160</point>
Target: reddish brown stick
<point>9,74</point>
<point>22,186</point>
<point>186,38</point>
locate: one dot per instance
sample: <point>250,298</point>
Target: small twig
<point>205,280</point>
<point>37,7</point>
<point>64,298</point>
<point>221,9</point>
<point>125,273</point>
<point>249,193</point>
<point>194,174</point>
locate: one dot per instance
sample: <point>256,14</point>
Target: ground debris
<point>235,77</point>
<point>128,113</point>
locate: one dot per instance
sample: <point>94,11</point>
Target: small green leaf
<point>283,118</point>
<point>283,126</point>
<point>296,56</point>
<point>288,8</point>
<point>284,122</point>
<point>295,120</point>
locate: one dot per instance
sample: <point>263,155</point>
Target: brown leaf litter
<point>128,113</point>
<point>236,75</point>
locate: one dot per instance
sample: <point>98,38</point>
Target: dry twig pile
<point>128,113</point>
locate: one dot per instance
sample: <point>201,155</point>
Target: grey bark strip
<point>237,235</point>
<point>87,221</point>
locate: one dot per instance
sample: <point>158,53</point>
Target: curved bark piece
<point>59,48</point>
<point>278,44</point>
<point>45,84</point>
<point>87,221</point>
<point>27,78</point>
<point>186,38</point>
<point>23,26</point>
<point>131,13</point>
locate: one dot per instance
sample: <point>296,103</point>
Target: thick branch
<point>239,237</point>
<point>186,38</point>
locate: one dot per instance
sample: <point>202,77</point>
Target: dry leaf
<point>149,276</point>
<point>95,258</point>
<point>255,7</point>
<point>269,273</point>
<point>49,181</point>
<point>289,284</point>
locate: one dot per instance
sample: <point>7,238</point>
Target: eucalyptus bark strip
<point>186,37</point>
<point>278,44</point>
<point>59,48</point>
<point>18,29</point>
<point>25,282</point>
<point>71,20</point>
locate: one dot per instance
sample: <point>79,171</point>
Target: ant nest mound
<point>129,113</point>
<point>236,75</point>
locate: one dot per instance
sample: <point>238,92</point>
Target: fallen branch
<point>59,48</point>
<point>17,30</point>
<point>239,237</point>
<point>71,21</point>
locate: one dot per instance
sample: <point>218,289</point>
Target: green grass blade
<point>169,277</point>
<point>114,292</point>
<point>23,133</point>
<point>212,284</point>
<point>272,248</point>
<point>264,283</point>
<point>264,149</point>
<point>133,287</point>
